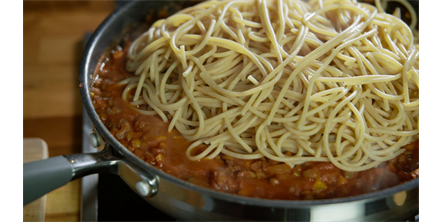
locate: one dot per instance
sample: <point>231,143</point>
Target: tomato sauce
<point>148,138</point>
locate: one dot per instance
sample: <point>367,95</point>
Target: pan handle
<point>43,176</point>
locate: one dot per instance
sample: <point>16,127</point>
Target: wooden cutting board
<point>34,149</point>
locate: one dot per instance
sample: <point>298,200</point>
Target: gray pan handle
<point>43,176</point>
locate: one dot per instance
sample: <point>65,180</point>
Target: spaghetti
<point>287,80</point>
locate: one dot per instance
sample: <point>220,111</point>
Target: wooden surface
<point>53,32</point>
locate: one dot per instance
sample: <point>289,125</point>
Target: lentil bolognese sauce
<point>149,139</point>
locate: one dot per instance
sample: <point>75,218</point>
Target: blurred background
<point>53,35</point>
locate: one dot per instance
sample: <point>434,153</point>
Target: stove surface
<point>118,202</point>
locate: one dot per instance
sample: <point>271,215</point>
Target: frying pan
<point>178,198</point>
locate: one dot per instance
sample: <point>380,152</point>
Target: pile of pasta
<point>289,80</point>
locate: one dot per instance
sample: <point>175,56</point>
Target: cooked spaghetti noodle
<point>287,80</point>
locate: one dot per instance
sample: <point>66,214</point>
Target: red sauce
<point>148,138</point>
